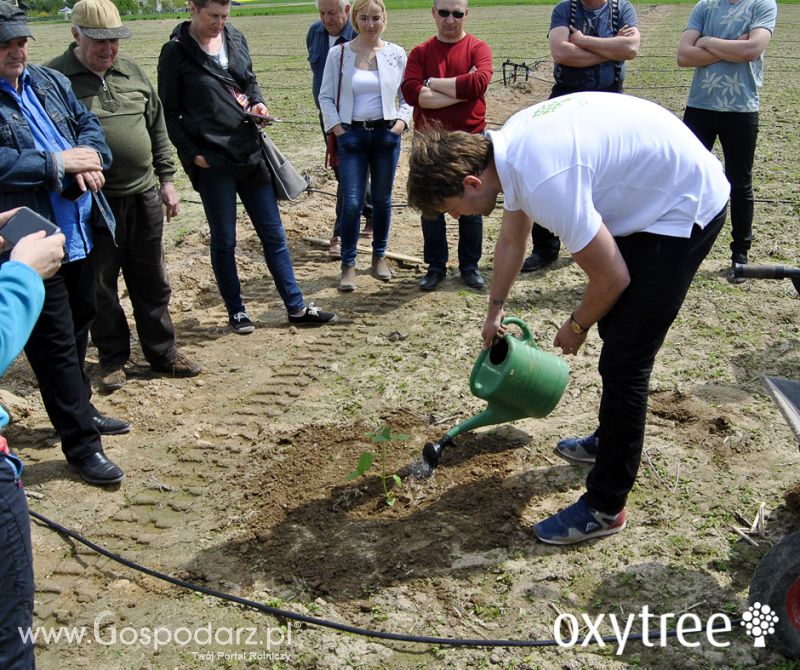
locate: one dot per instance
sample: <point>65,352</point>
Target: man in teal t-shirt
<point>725,42</point>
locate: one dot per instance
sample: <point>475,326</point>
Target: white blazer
<point>391,67</point>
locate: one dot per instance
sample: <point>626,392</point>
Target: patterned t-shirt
<point>724,86</point>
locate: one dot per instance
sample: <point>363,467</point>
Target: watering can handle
<point>527,336</point>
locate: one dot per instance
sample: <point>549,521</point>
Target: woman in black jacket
<point>207,86</point>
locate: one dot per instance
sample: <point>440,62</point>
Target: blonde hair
<point>359,5</point>
<point>439,162</point>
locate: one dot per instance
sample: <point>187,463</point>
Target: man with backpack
<point>589,40</point>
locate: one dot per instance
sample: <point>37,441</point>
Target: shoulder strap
<point>573,12</point>
<point>615,19</point>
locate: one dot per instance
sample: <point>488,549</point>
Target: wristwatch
<point>577,328</point>
<point>427,82</point>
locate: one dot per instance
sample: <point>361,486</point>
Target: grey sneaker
<point>578,449</point>
<point>111,379</point>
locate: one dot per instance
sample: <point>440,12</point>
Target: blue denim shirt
<point>317,44</point>
<point>27,174</point>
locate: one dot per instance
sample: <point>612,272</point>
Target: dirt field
<point>236,479</point>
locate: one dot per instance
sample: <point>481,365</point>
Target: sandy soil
<point>237,479</point>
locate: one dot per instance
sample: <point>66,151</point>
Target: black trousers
<point>139,254</point>
<point>16,574</point>
<point>546,243</point>
<point>470,242</point>
<point>661,270</point>
<point>56,351</point>
<point>737,133</point>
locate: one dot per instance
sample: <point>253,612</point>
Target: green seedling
<point>382,437</point>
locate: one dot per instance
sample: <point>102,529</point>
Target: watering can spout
<point>493,414</point>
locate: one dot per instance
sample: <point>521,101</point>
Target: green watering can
<point>516,378</point>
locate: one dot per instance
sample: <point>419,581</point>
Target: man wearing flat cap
<point>52,157</point>
<point>139,182</point>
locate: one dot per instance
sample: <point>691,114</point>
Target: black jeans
<point>545,243</point>
<point>661,270</point>
<point>139,253</point>
<point>16,575</point>
<point>737,133</point>
<point>56,351</point>
<point>470,242</point>
<point>366,210</point>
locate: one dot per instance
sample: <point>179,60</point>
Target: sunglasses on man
<point>444,13</point>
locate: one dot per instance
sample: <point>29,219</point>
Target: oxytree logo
<point>759,621</point>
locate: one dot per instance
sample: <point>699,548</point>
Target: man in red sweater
<point>446,79</point>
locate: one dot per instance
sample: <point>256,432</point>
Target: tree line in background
<point>52,8</point>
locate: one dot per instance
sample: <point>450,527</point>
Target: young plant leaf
<point>365,462</point>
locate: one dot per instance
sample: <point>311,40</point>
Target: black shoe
<point>97,469</point>
<point>537,260</point>
<point>431,280</point>
<point>241,323</point>
<point>473,279</point>
<point>737,258</point>
<point>313,316</point>
<point>107,425</point>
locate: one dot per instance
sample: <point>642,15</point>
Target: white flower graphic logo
<point>759,620</point>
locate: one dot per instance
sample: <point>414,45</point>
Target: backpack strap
<point>615,19</point>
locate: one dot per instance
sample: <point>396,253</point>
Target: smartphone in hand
<point>264,118</point>
<point>73,191</point>
<point>25,222</point>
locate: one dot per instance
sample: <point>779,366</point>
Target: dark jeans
<point>56,351</point>
<point>470,242</point>
<point>218,193</point>
<point>361,151</point>
<point>366,210</point>
<point>661,270</point>
<point>16,573</point>
<point>546,243</point>
<point>139,253</point>
<point>737,133</point>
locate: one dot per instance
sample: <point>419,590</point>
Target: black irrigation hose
<point>325,623</point>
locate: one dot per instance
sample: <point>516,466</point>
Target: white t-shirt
<point>574,162</point>
<point>367,103</point>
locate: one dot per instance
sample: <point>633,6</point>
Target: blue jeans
<point>366,211</point>
<point>470,242</point>
<point>218,193</point>
<point>737,133</point>
<point>363,151</point>
<point>16,575</point>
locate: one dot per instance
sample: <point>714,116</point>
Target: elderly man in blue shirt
<point>52,157</point>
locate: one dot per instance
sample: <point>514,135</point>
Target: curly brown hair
<point>440,160</point>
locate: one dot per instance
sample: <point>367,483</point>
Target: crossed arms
<point>569,46</point>
<point>696,50</point>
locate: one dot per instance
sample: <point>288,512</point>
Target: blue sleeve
<point>765,14</point>
<point>21,300</point>
<point>697,19</point>
<point>560,16</point>
<point>627,14</point>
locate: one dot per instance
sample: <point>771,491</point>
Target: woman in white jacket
<point>363,107</point>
